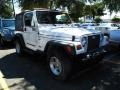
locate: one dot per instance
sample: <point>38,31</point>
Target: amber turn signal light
<point>69,49</point>
<point>79,47</point>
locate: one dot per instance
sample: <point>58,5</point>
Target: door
<point>34,37</point>
<point>29,31</point>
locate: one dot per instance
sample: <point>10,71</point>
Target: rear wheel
<point>19,48</point>
<point>2,42</point>
<point>59,65</point>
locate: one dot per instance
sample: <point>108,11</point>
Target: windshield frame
<point>52,15</point>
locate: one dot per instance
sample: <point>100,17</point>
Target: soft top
<point>40,9</point>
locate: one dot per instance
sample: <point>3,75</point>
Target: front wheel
<point>59,65</point>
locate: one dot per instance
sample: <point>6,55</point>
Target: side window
<point>19,22</point>
<point>61,18</point>
<point>44,17</point>
<point>28,19</point>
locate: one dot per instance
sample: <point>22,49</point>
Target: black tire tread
<point>22,52</point>
<point>66,63</point>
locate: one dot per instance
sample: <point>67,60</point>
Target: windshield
<point>8,23</point>
<point>47,17</point>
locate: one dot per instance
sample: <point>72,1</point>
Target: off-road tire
<point>63,60</point>
<point>19,48</point>
<point>2,42</point>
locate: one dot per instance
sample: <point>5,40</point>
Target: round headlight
<point>84,41</point>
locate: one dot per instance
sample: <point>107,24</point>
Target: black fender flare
<point>19,37</point>
<point>60,46</point>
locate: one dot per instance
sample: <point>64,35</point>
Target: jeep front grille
<point>93,42</point>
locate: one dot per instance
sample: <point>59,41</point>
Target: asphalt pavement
<point>30,73</point>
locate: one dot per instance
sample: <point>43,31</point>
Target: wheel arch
<point>20,38</point>
<point>0,35</point>
<point>58,46</point>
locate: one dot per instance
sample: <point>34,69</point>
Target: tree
<point>95,9</point>
<point>75,7</point>
<point>30,4</point>
<point>76,10</point>
<point>5,9</point>
<point>12,2</point>
<point>116,20</point>
<point>112,5</point>
<point>98,20</point>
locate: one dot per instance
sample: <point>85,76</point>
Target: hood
<point>66,31</point>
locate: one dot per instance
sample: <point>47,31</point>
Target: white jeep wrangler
<point>51,32</point>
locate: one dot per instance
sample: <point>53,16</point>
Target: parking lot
<point>30,73</point>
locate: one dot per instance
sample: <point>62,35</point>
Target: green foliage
<point>98,20</point>
<point>112,5</point>
<point>30,4</point>
<point>115,19</point>
<point>94,10</point>
<point>5,9</point>
<point>81,21</point>
<point>76,8</point>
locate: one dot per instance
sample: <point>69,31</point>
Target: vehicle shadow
<point>33,70</point>
<point>6,47</point>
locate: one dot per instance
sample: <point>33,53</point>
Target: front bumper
<point>95,54</point>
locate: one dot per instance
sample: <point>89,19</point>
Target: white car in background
<point>106,27</point>
<point>115,36</point>
<point>88,26</point>
<point>111,29</point>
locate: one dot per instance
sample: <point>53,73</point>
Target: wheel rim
<point>55,66</point>
<point>17,47</point>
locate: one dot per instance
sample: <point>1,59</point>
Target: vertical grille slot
<point>93,42</point>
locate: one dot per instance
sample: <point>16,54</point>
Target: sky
<point>17,8</point>
<point>108,16</point>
